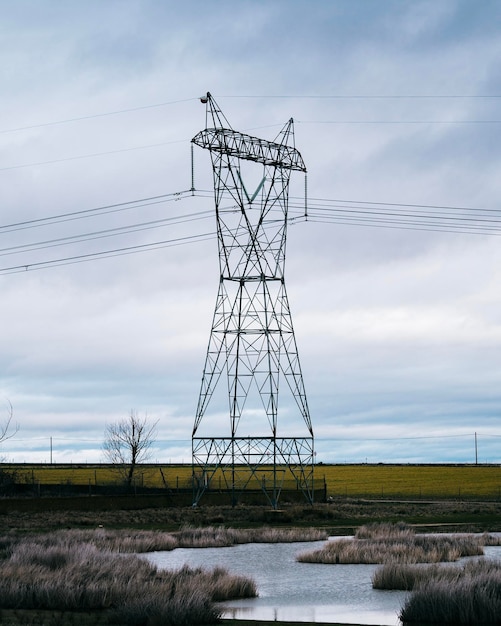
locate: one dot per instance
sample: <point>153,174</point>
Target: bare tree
<point>7,428</point>
<point>128,443</point>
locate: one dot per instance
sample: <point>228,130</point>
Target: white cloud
<point>398,331</point>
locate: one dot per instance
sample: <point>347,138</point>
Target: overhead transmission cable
<point>406,216</point>
<point>283,96</point>
<point>101,234</point>
<point>80,258</point>
<point>86,213</point>
<point>365,96</point>
<point>95,115</point>
<point>435,218</point>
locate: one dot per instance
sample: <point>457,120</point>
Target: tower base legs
<point>238,464</point>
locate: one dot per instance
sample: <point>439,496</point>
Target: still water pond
<point>289,590</point>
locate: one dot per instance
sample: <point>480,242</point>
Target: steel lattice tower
<point>252,348</point>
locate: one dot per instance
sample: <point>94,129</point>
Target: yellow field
<point>171,476</point>
<point>483,481</point>
<point>420,481</point>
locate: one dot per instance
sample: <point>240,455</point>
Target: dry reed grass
<point>468,595</point>
<point>385,530</point>
<point>406,577</point>
<point>214,537</point>
<point>394,543</point>
<point>87,570</point>
<point>138,541</point>
<point>62,572</point>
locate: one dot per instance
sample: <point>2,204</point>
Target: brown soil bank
<point>339,516</point>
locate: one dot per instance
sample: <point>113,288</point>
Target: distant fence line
<point>146,477</point>
<point>337,480</point>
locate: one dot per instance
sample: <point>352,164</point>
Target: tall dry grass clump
<point>215,537</point>
<point>69,575</point>
<point>385,530</point>
<point>403,576</point>
<point>468,595</point>
<point>138,541</point>
<point>394,543</point>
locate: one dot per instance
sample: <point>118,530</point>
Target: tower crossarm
<point>232,143</point>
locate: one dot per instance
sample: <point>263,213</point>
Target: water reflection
<point>289,590</point>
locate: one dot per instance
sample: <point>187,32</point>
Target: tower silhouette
<point>252,352</point>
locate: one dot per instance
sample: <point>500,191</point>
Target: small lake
<point>289,590</point>
<point>302,592</point>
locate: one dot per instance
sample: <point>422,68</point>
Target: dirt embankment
<point>339,516</point>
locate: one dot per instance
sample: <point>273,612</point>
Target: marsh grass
<point>87,570</point>
<point>139,541</point>
<point>460,595</point>
<point>394,543</point>
<point>386,531</point>
<point>60,572</point>
<point>406,577</point>
<point>213,537</point>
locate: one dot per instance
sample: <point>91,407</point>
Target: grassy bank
<point>68,572</point>
<point>338,517</point>
<point>141,541</point>
<point>83,576</point>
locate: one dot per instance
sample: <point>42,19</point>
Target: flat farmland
<point>412,481</point>
<point>350,481</point>
<point>149,476</point>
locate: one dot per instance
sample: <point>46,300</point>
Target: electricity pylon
<point>252,349</point>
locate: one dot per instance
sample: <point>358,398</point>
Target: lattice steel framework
<point>252,348</point>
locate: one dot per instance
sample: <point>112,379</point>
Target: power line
<point>431,218</point>
<point>397,121</point>
<point>174,141</point>
<point>457,220</point>
<point>101,210</point>
<point>400,204</point>
<point>436,218</point>
<point>94,116</point>
<point>110,232</point>
<point>91,116</point>
<point>368,97</point>
<point>80,258</point>
<point>90,156</point>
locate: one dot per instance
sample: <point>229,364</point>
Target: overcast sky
<point>395,102</point>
